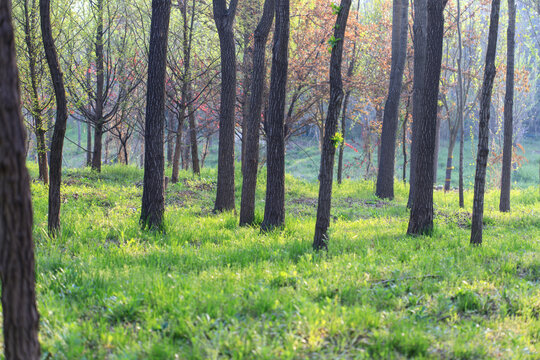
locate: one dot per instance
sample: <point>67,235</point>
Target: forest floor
<point>210,289</point>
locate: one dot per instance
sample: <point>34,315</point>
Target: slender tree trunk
<point>385,176</point>
<point>420,38</point>
<point>460,107</point>
<point>326,173</point>
<point>178,145</point>
<point>436,151</point>
<point>251,161</point>
<point>39,127</point>
<point>483,132</point>
<point>274,210</point>
<point>247,67</point>
<point>57,143</point>
<point>170,139</point>
<point>421,218</point>
<point>193,140</point>
<point>449,165</point>
<point>506,182</point>
<point>17,264</point>
<point>153,201</point>
<point>343,133</point>
<point>89,145</point>
<point>224,18</point>
<point>100,96</point>
<point>404,140</point>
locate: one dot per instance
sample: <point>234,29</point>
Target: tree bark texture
<point>57,143</point>
<point>253,120</point>
<point>100,96</point>
<point>420,38</point>
<point>40,128</point>
<point>326,173</point>
<point>506,179</point>
<point>17,264</point>
<point>274,209</point>
<point>385,176</point>
<point>153,201</point>
<point>421,218</point>
<point>343,133</point>
<point>224,18</point>
<point>483,126</point>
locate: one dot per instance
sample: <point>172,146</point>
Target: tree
<point>504,204</point>
<point>251,160</point>
<point>331,140</point>
<point>17,264</point>
<point>420,38</point>
<point>59,132</point>
<point>224,18</point>
<point>274,209</point>
<point>153,201</point>
<point>483,126</point>
<point>385,177</point>
<point>421,218</point>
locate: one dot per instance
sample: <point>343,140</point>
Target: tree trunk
<point>460,107</point>
<point>251,161</point>
<point>193,140</point>
<point>449,165</point>
<point>436,150</point>
<point>385,176</point>
<point>420,38</point>
<point>247,67</point>
<point>506,182</point>
<point>274,210</point>
<point>421,218</point>
<point>178,146</point>
<point>17,264</point>
<point>326,173</point>
<point>153,201</point>
<point>170,139</point>
<point>224,18</point>
<point>483,126</point>
<point>59,132</point>
<point>89,145</point>
<point>343,133</point>
<point>39,126</point>
<point>100,96</point>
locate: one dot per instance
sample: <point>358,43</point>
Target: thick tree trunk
<point>420,38</point>
<point>59,132</point>
<point>247,67</point>
<point>274,210</point>
<point>326,173</point>
<point>224,18</point>
<point>483,126</point>
<point>385,176</point>
<point>153,201</point>
<point>253,121</point>
<point>17,264</point>
<point>506,182</point>
<point>98,146</point>
<point>343,133</point>
<point>421,218</point>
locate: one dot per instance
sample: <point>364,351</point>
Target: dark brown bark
<point>421,218</point>
<point>419,30</point>
<point>40,128</point>
<point>253,121</point>
<point>483,126</point>
<point>506,176</point>
<point>326,173</point>
<point>57,143</point>
<point>224,18</point>
<point>274,209</point>
<point>193,141</point>
<point>17,264</point>
<point>153,201</point>
<point>178,143</point>
<point>100,96</point>
<point>247,68</point>
<point>385,176</point>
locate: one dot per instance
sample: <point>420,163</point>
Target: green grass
<point>209,289</point>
